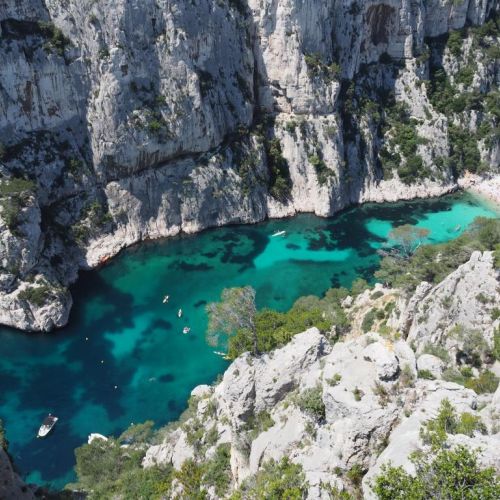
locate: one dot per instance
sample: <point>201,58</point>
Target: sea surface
<point>123,357</point>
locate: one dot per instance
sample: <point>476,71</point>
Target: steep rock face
<point>140,119</point>
<point>466,298</point>
<point>11,485</point>
<point>357,405</point>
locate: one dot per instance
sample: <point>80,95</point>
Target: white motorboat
<point>186,329</point>
<point>165,299</point>
<point>47,425</point>
<point>179,313</point>
<point>278,233</point>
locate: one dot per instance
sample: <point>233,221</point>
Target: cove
<point>123,357</point>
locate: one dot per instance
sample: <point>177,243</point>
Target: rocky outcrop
<point>355,405</point>
<point>11,485</point>
<point>461,304</point>
<point>127,134</point>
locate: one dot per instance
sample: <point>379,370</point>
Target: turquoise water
<point>137,364</point>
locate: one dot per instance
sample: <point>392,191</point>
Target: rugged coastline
<point>296,108</point>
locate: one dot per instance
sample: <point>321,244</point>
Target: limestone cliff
<point>126,120</point>
<point>359,403</point>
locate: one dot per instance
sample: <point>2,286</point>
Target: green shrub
<point>358,394</point>
<point>368,320</point>
<point>434,263</point>
<point>217,471</point>
<point>335,380</point>
<point>310,401</point>
<point>435,431</point>
<point>454,43</point>
<point>355,475</point>
<point>275,480</point>
<point>56,40</point>
<point>259,423</point>
<point>280,183</point>
<point>496,344</point>
<point>317,68</point>
<point>37,296</point>
<point>452,474</point>
<point>425,374</point>
<point>322,171</point>
<point>376,295</point>
<point>487,382</point>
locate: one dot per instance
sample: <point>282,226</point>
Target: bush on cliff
<point>452,474</point>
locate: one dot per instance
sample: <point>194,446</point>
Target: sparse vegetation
<point>433,263</point>
<point>310,401</point>
<point>452,474</point>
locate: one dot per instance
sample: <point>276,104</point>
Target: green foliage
<point>335,380</point>
<point>487,382</point>
<point>368,320</point>
<point>425,374</point>
<point>355,475</point>
<point>281,480</point>
<point>435,431</point>
<point>464,152</point>
<point>310,401</point>
<point>323,173</point>
<point>400,150</point>
<point>16,186</point>
<point>317,68</point>
<point>138,433</point>
<point>36,295</point>
<point>105,469</point>
<point>496,344</point>
<point>259,423</point>
<point>190,478</point>
<point>274,328</point>
<point>357,393</point>
<point>452,475</point>
<point>217,471</point>
<point>454,43</point>
<point>234,314</point>
<point>56,42</point>
<point>280,184</point>
<point>434,263</point>
<point>359,285</point>
<point>14,193</point>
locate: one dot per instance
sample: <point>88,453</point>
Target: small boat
<point>221,354</point>
<point>47,425</point>
<point>278,233</point>
<point>179,313</point>
<point>186,329</point>
<point>165,299</point>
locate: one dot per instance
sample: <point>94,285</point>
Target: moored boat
<point>279,233</point>
<point>47,425</point>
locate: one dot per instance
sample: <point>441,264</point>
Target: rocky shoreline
<point>142,135</point>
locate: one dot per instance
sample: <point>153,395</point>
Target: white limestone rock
<point>431,364</point>
<point>466,298</point>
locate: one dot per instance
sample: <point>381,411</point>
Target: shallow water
<point>135,342</point>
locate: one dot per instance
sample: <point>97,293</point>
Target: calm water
<point>135,342</point>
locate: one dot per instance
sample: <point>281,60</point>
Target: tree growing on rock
<point>408,238</point>
<point>235,313</point>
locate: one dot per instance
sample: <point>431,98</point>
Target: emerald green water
<point>135,342</point>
